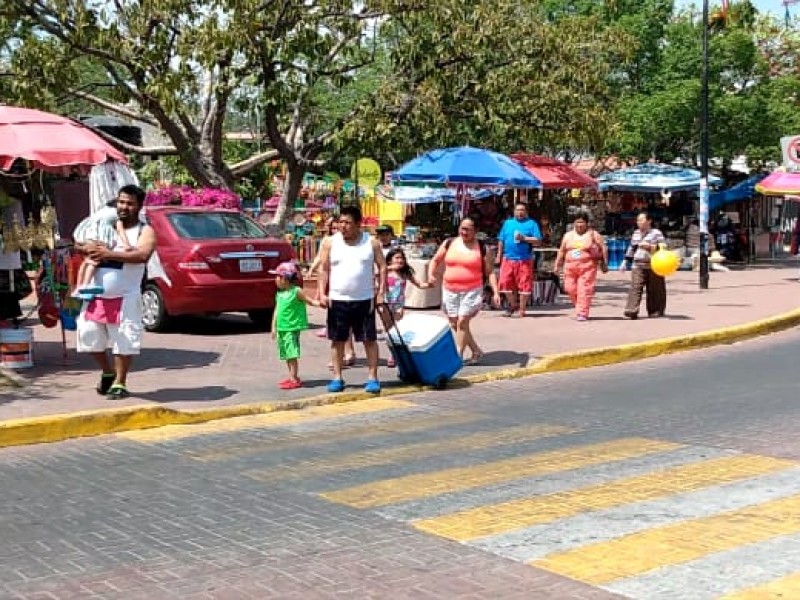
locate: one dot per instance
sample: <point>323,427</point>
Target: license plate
<point>250,265</point>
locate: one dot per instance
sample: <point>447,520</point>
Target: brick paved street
<point>212,362</point>
<point>672,478</point>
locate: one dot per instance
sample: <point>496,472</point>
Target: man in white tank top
<point>348,261</point>
<point>114,318</point>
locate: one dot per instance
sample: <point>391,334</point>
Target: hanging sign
<point>367,172</point>
<point>790,146</point>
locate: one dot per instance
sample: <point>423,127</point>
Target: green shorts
<point>288,345</point>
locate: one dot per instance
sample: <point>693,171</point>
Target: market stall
<point>564,190</point>
<point>744,220</point>
<point>668,192</point>
<point>50,169</point>
<point>471,175</point>
<point>782,189</point>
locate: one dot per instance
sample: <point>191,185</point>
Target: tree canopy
<point>752,72</point>
<point>327,81</point>
<point>326,77</point>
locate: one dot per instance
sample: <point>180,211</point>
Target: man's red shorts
<point>516,276</point>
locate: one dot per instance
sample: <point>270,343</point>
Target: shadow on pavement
<point>505,358</point>
<point>228,324</point>
<point>204,394</point>
<point>171,359</point>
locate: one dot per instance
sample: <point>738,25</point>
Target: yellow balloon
<point>664,263</point>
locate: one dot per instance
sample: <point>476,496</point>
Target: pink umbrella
<point>780,183</point>
<point>49,141</point>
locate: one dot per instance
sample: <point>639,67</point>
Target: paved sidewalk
<point>209,363</point>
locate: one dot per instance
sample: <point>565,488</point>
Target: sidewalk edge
<point>60,427</point>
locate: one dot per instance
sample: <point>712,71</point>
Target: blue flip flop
<point>335,386</point>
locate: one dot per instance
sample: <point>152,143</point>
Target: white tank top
<point>127,281</point>
<point>352,271</point>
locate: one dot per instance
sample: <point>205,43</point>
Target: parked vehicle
<point>210,261</point>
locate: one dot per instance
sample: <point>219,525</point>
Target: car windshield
<point>214,225</point>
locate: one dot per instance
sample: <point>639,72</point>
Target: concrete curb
<point>56,428</point>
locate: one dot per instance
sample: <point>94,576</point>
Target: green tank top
<point>291,314</point>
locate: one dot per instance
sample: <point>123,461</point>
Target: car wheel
<point>261,318</point>
<point>154,313</point>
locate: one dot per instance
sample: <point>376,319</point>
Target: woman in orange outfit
<point>582,251</point>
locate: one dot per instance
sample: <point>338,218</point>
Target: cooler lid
<point>420,331</point>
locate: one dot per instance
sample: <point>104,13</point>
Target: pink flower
<point>183,195</point>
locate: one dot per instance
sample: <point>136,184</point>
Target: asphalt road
<point>673,478</point>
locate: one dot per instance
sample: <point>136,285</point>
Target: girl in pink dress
<point>582,251</point>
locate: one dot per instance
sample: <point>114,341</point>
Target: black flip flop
<point>106,381</point>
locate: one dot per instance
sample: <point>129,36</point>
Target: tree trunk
<point>202,169</point>
<point>291,190</point>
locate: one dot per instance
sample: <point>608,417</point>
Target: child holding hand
<point>398,274</point>
<point>288,320</point>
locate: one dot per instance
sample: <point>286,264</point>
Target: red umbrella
<point>50,141</point>
<point>554,174</point>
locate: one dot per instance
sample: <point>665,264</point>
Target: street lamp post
<point>704,156</point>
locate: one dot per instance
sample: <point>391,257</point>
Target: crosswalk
<point>645,518</point>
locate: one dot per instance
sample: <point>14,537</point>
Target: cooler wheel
<point>440,382</point>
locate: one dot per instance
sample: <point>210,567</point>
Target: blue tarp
<point>741,191</point>
<point>651,178</point>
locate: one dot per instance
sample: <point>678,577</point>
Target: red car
<point>210,261</point>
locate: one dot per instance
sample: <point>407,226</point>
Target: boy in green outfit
<point>288,320</point>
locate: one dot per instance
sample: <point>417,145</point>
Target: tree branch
<point>131,148</point>
<point>247,165</point>
<point>115,108</point>
<point>276,138</point>
<point>37,11</point>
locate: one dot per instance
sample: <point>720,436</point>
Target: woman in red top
<point>466,264</point>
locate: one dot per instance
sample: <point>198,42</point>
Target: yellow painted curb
<point>60,427</point>
<point>55,428</point>
<point>598,357</point>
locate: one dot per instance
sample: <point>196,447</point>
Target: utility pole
<point>704,156</point>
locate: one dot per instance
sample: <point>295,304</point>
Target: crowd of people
<point>356,273</point>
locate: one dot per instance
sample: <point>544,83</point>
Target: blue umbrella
<point>653,178</point>
<point>467,166</point>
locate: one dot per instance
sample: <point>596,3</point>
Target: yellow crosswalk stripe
<point>638,553</point>
<point>423,485</point>
<point>785,588</point>
<point>273,419</point>
<point>517,514</point>
<point>416,451</point>
<point>398,425</point>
